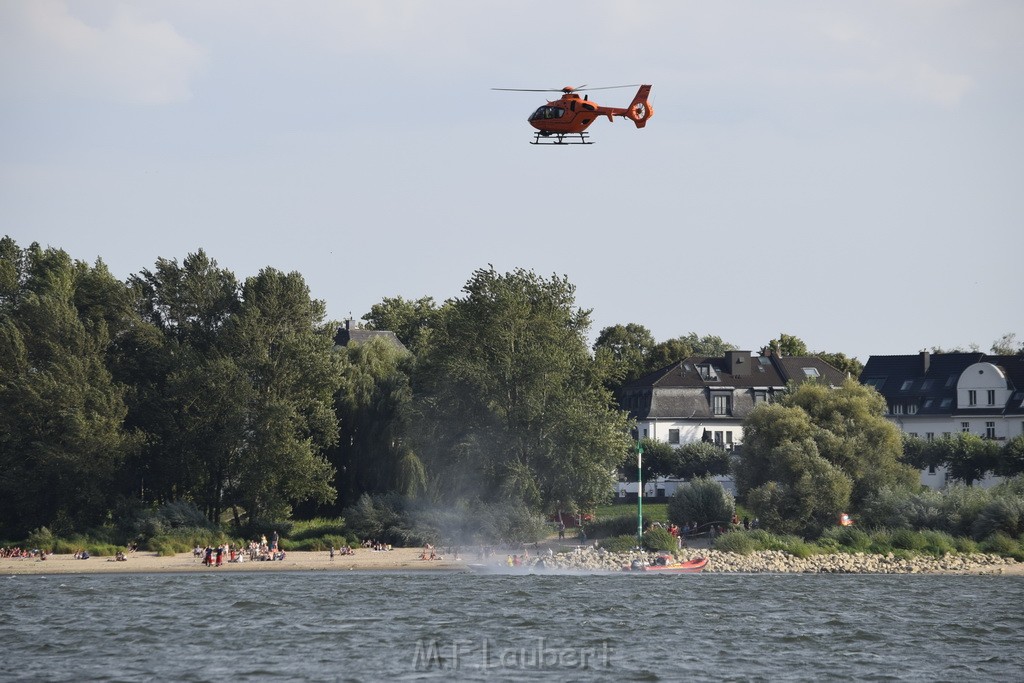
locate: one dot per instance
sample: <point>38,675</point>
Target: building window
<point>720,404</point>
<point>912,409</point>
<point>907,384</point>
<point>931,469</point>
<point>645,432</point>
<point>719,439</point>
<point>929,436</point>
<point>912,434</point>
<point>990,430</point>
<point>991,397</point>
<point>972,397</point>
<point>760,397</point>
<point>897,409</point>
<point>707,372</point>
<point>947,403</point>
<point>965,427</point>
<point>728,439</point>
<point>673,436</point>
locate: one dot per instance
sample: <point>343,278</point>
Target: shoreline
<point>408,559</point>
<point>397,559</point>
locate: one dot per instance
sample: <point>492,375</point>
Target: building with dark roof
<point>352,333</point>
<point>931,395</point>
<point>707,399</point>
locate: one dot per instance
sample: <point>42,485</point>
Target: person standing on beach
<point>274,538</point>
<point>332,552</point>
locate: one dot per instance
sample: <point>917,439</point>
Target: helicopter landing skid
<point>561,138</point>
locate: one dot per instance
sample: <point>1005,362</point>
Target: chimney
<point>738,363</point>
<point>926,361</point>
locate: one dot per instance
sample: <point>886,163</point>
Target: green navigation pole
<point>639,494</point>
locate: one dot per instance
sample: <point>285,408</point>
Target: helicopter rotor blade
<point>530,89</point>
<point>568,88</point>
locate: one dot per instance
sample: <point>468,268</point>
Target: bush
<point>619,544</point>
<point>848,539</point>
<point>1004,514</point>
<point>1001,544</point>
<point>657,538</point>
<point>619,525</point>
<point>702,501</point>
<point>938,543</point>
<point>738,542</point>
<point>908,540</point>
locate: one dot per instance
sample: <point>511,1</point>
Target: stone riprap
<point>776,561</point>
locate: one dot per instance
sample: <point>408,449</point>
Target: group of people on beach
<point>16,552</point>
<point>379,546</point>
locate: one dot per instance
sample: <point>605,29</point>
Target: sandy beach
<point>398,559</point>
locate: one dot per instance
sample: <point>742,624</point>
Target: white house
<point>933,395</point>
<point>708,398</point>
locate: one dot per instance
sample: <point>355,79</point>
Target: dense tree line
<point>185,384</point>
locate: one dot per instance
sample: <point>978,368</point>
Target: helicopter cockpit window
<point>547,113</point>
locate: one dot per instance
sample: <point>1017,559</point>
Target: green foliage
<point>850,539</point>
<point>816,453</point>
<point>411,321</point>
<point>957,510</point>
<point>62,434</point>
<point>656,538</point>
<point>938,543</point>
<point>513,405</point>
<point>619,525</point>
<point>702,501</point>
<point>736,542</point>
<point>907,540</point>
<point>1000,543</point>
<point>619,544</point>
<point>697,459</point>
<point>623,350</point>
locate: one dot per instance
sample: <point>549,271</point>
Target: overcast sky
<point>849,173</point>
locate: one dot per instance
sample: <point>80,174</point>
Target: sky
<point>848,173</point>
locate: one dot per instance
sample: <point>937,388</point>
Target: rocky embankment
<point>775,561</point>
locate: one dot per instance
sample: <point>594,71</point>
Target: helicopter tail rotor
<point>640,109</point>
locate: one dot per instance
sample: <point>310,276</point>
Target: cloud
<point>122,57</point>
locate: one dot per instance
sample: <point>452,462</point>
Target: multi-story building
<point>930,395</point>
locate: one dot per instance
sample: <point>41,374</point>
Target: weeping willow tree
<point>374,455</point>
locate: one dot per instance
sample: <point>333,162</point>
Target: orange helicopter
<point>565,121</point>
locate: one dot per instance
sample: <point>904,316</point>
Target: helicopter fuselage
<point>574,114</point>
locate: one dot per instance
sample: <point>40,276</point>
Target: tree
<point>285,349</point>
<point>625,349</point>
<point>374,453</point>
<point>817,450</point>
<point>698,459</point>
<point>61,413</point>
<point>411,321</point>
<point>968,457</point>
<point>790,345</point>
<point>513,404</point>
<point>1007,345</point>
<point>703,501</point>
<point>674,350</point>
<point>1011,460</point>
<point>235,388</point>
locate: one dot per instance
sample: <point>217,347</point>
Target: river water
<point>328,626</point>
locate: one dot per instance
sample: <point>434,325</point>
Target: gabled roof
<point>351,333</point>
<point>684,389</point>
<point>739,370</point>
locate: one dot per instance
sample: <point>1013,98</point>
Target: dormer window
<point>972,397</point>
<point>811,372</point>
<point>707,372</point>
